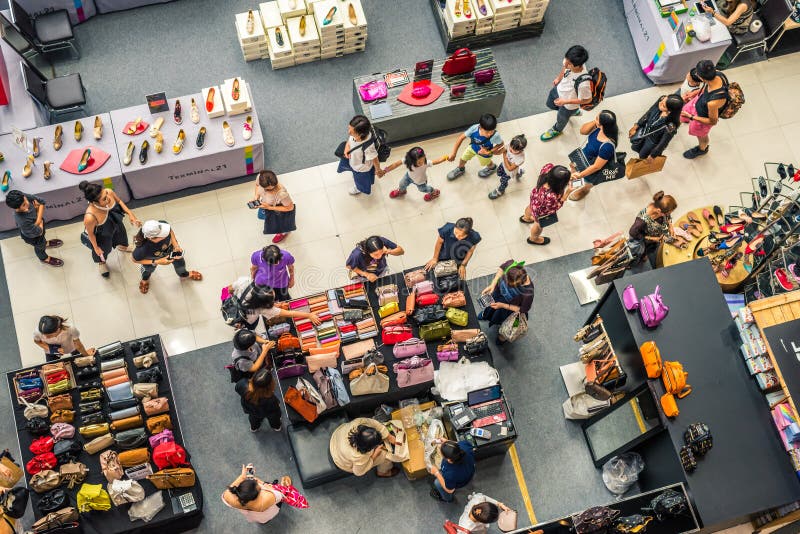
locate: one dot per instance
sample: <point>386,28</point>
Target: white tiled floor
<point>219,233</point>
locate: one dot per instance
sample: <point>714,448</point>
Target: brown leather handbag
<point>134,457</point>
<point>72,473</point>
<point>114,373</point>
<point>181,477</point>
<point>60,402</point>
<point>114,381</point>
<point>44,481</point>
<point>297,400</point>
<point>463,335</point>
<point>128,422</point>
<point>455,299</point>
<point>411,302</point>
<point>156,406</point>
<point>158,423</point>
<point>145,389</point>
<point>56,519</point>
<point>99,443</point>
<point>62,416</point>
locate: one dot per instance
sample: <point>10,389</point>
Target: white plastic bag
<point>435,431</point>
<point>621,472</point>
<point>147,509</point>
<point>454,380</point>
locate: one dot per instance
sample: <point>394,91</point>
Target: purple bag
<point>374,90</point>
<point>422,288</point>
<point>447,356</point>
<point>290,369</point>
<point>652,309</point>
<point>413,371</point>
<point>484,76</point>
<point>409,347</point>
<point>629,298</point>
<point>165,436</point>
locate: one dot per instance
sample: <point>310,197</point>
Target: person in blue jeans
<point>456,470</point>
<point>571,89</point>
<point>417,174</point>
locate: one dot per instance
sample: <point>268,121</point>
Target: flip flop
<point>522,220</point>
<point>144,287</point>
<point>692,218</point>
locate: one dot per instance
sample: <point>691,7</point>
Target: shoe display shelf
<point>331,35</point>
<point>219,107</point>
<point>236,107</point>
<point>270,14</point>
<point>533,11</point>
<point>484,23</point>
<point>508,23</point>
<point>308,42</point>
<point>291,8</point>
<point>280,55</point>
<point>253,45</point>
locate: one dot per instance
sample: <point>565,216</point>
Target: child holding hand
<point>417,164</point>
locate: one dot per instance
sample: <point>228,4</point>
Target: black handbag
<point>38,426</point>
<point>53,500</point>
<point>632,523</point>
<point>121,404</point>
<point>94,418</point>
<point>596,519</point>
<point>138,348</point>
<point>429,314</point>
<point>94,384</point>
<point>476,345</point>
<point>448,284</point>
<point>153,374</point>
<point>67,450</point>
<point>131,439</point>
<point>688,461</point>
<point>87,372</point>
<point>14,501</point>
<point>665,504</point>
<point>698,437</point>
<point>88,407</point>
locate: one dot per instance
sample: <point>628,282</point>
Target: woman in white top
<point>57,338</point>
<point>480,512</point>
<point>256,500</point>
<point>279,210</point>
<point>259,301</point>
<point>361,156</point>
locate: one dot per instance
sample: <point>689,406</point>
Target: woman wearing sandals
<point>653,226</point>
<point>103,222</point>
<point>276,208</point>
<point>550,193</point>
<point>256,500</point>
<point>156,245</point>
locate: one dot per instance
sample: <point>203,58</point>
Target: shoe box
<point>219,108</point>
<point>270,14</point>
<point>506,20</point>
<point>533,11</point>
<point>303,43</point>
<point>253,45</point>
<point>236,107</point>
<point>281,56</point>
<point>505,7</point>
<point>458,26</point>
<point>484,23</point>
<point>355,33</point>
<point>288,12</point>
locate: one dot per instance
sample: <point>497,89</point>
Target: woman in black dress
<point>655,129</point>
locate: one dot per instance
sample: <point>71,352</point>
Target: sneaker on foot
<point>549,134</point>
<point>278,429</point>
<point>695,152</point>
<point>455,173</point>
<point>253,429</point>
<point>577,113</point>
<point>520,172</point>
<point>354,191</point>
<point>104,272</point>
<point>496,194</point>
<point>396,193</point>
<point>430,196</point>
<point>487,171</point>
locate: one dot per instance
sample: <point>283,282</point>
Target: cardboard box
<point>270,14</point>
<point>414,467</point>
<point>287,11</point>
<point>241,29</point>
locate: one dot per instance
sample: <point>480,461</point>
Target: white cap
<point>154,229</point>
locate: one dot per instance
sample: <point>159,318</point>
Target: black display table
<point>443,114</point>
<point>746,471</point>
<point>116,520</point>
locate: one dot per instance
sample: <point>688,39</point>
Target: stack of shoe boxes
<point>355,28</point>
<point>459,18</point>
<point>241,104</point>
<point>253,45</point>
<point>331,35</point>
<point>507,14</point>
<point>280,51</point>
<point>304,36</point>
<point>484,22</point>
<point>291,8</point>
<point>533,11</point>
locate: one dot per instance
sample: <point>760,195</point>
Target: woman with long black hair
<point>367,261</point>
<point>655,129</point>
<point>550,193</point>
<point>597,154</point>
<point>512,292</point>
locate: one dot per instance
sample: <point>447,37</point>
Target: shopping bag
<point>640,167</point>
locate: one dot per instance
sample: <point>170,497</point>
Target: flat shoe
<point>545,241</point>
<point>394,472</point>
<point>156,126</point>
<point>178,146</point>
<point>194,113</point>
<point>247,128</point>
<point>53,262</point>
<point>201,138</point>
<point>523,220</point>
<point>129,153</point>
<point>712,222</point>
<point>692,218</point>
<point>143,153</point>
<point>227,134</point>
<point>144,287</point>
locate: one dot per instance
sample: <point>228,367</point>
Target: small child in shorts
<point>513,158</point>
<point>484,142</point>
<point>417,164</point>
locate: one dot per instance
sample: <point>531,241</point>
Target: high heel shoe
<point>78,130</point>
<point>235,92</point>
<point>762,186</point>
<point>210,100</point>
<point>279,36</point>
<point>467,9</point>
<point>4,184</point>
<point>302,26</point>
<point>755,244</point>
<point>329,17</point>
<point>98,128</point>
<point>28,168</point>
<point>782,170</point>
<point>134,126</point>
<point>250,26</point>
<point>57,137</point>
<point>47,172</point>
<point>351,14</point>
<point>85,159</point>
<point>35,149</point>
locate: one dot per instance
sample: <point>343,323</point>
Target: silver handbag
<point>445,268</point>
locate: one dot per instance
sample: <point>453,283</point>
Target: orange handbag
<point>394,319</point>
<point>674,379</point>
<point>669,405</point>
<point>125,424</point>
<point>114,381</point>
<point>599,370</point>
<point>455,299</point>
<point>298,402</point>
<point>114,373</point>
<point>288,342</point>
<point>134,457</point>
<point>652,358</point>
<point>159,423</point>
<point>411,302</point>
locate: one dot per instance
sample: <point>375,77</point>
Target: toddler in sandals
<point>511,167</point>
<point>417,174</point>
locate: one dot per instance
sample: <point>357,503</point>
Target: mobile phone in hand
<point>174,255</point>
<point>486,300</point>
<point>577,183</point>
<point>253,204</point>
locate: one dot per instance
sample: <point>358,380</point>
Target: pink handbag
<point>422,288</point>
<point>164,436</point>
<point>447,355</point>
<point>629,298</point>
<point>318,361</point>
<point>413,371</point>
<point>374,90</point>
<point>484,76</point>
<point>410,347</point>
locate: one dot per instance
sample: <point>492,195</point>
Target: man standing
<point>29,217</point>
<point>571,88</point>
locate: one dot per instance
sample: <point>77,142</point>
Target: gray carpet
<point>184,45</point>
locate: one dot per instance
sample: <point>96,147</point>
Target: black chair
<point>50,31</point>
<point>773,14</point>
<point>61,95</point>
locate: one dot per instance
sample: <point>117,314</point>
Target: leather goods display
<point>414,277</point>
<point>59,402</point>
<point>35,409</point>
<point>116,380</point>
<point>287,342</point>
<point>465,334</point>
<point>92,431</point>
<point>370,381</point>
<point>667,504</point>
<point>632,523</point>
<point>388,309</point>
<point>688,460</point>
<point>98,444</point>
<point>594,520</point>
<point>93,497</point>
<point>54,520</point>
<point>460,62</point>
<point>61,431</point>
<point>110,365</point>
<point>91,394</point>
<point>38,426</point>
<point>40,462</point>
<point>395,334</point>
<point>147,509</point>
<point>44,481</point>
<point>170,454</point>
<point>134,457</point>
<point>158,423</point>
<point>445,268</point>
<point>447,352</point>
<point>447,284</point>
<point>131,439</point>
<point>290,365</point>
<point>133,411</point>
<point>94,418</point>
<point>476,345</point>
<point>413,371</point>
<point>125,491</point>
<point>62,416</point>
<point>629,298</point>
<point>72,473</point>
<point>387,294</point>
<point>373,90</point>
<point>410,347</point>
<point>358,349</point>
<point>318,361</point>
<point>652,358</point>
<point>299,403</point>
<point>41,445</point>
<point>110,351</point>
<point>88,372</point>
<point>484,76</point>
<point>152,374</point>
<point>456,299</point>
<point>84,361</point>
<point>457,317</point>
<point>89,407</point>
<point>85,386</point>
<point>141,391</point>
<point>156,406</point>
<point>182,477</point>
<point>121,391</point>
<point>67,450</point>
<point>109,464</point>
<point>125,424</point>
<point>53,500</point>
<point>145,360</point>
<point>674,378</point>
<point>398,318</point>
<point>435,330</point>
<point>114,373</point>
<point>423,287</point>
<point>652,309</point>
<point>427,299</point>
<point>429,314</point>
<point>698,437</point>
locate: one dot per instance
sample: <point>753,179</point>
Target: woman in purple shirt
<point>273,267</point>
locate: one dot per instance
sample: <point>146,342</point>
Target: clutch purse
<point>374,90</point>
<point>484,76</point>
<point>457,91</point>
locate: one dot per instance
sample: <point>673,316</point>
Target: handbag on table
<point>413,371</point>
<point>98,444</point>
<point>387,294</point>
<point>93,497</point>
<point>58,402</point>
<point>388,309</point>
<point>456,299</point>
<point>414,277</point>
<point>427,299</point>
<point>358,349</point>
<point>181,477</point>
<point>156,406</point>
<point>34,409</point>
<point>461,61</point>
<point>484,76</point>
<point>464,334</point>
<point>423,287</point>
<point>457,317</point>
<point>301,404</point>
<point>373,90</point>
<point>370,381</point>
<point>476,345</point>
<point>435,330</point>
<point>447,352</point>
<point>318,361</point>
<point>410,347</point>
<point>429,314</point>
<point>445,268</point>
<point>394,319</point>
<point>395,334</point>
<point>44,481</point>
<point>159,423</point>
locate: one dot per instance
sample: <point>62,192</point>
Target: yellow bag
<point>93,497</point>
<point>640,167</point>
<point>669,405</point>
<point>652,358</point>
<point>388,309</point>
<point>674,379</point>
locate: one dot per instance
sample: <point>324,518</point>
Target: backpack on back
<point>598,81</point>
<point>735,100</point>
<point>233,312</point>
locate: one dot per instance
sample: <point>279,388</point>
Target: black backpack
<point>598,83</point>
<point>236,373</point>
<point>14,501</point>
<point>233,312</point>
<point>381,138</point>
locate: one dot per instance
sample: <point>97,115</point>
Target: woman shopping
<point>57,338</point>
<point>156,245</point>
<point>105,230</point>
<point>456,241</point>
<point>258,302</point>
<point>654,130</point>
<point>357,446</point>
<point>550,193</point>
<point>595,162</point>
<point>258,394</point>
<point>480,512</point>
<point>653,226</point>
<point>512,292</point>
<point>367,261</point>
<point>257,501</point>
<point>360,156</point>
<point>276,206</point>
<point>274,267</point>
<point>456,470</point>
<point>703,105</point>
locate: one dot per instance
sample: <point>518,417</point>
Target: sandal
<point>712,222</point>
<point>395,470</point>
<point>693,219</point>
<point>195,275</point>
<point>144,286</point>
<point>523,220</point>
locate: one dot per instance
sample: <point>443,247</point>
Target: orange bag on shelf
<point>652,358</point>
